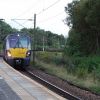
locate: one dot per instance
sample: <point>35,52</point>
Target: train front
<point>18,50</point>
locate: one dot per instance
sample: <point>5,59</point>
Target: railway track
<point>54,88</point>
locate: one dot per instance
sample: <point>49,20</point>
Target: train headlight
<point>28,53</point>
<point>8,53</point>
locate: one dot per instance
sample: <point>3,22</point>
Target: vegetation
<point>81,71</point>
<point>50,57</point>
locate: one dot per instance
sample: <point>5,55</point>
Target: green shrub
<point>96,89</point>
<point>82,71</point>
<point>50,57</point>
<point>82,66</point>
<point>97,73</point>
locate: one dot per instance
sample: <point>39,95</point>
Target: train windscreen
<point>19,42</point>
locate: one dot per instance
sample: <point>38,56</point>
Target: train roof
<point>17,34</point>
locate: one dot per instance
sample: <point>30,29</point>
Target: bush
<point>43,56</point>
<point>81,73</point>
<point>50,57</point>
<point>97,73</point>
<point>82,66</point>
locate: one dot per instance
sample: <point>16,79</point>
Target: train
<point>17,50</point>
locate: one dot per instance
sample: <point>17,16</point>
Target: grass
<point>59,71</point>
<point>1,47</point>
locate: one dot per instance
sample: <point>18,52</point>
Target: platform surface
<point>15,86</point>
<point>6,93</point>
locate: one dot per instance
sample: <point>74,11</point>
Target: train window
<point>23,42</point>
<point>13,42</point>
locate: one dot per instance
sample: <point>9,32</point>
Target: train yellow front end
<point>18,52</point>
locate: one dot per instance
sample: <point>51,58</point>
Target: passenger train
<point>17,49</point>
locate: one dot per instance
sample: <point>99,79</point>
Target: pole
<point>34,38</point>
<point>34,21</point>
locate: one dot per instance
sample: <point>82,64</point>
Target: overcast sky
<point>50,14</point>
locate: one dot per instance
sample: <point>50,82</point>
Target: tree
<point>5,29</point>
<point>84,19</point>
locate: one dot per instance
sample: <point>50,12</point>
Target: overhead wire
<point>48,7</point>
<point>51,17</point>
<point>23,19</point>
<point>18,23</point>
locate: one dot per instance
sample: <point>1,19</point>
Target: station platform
<point>16,86</point>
